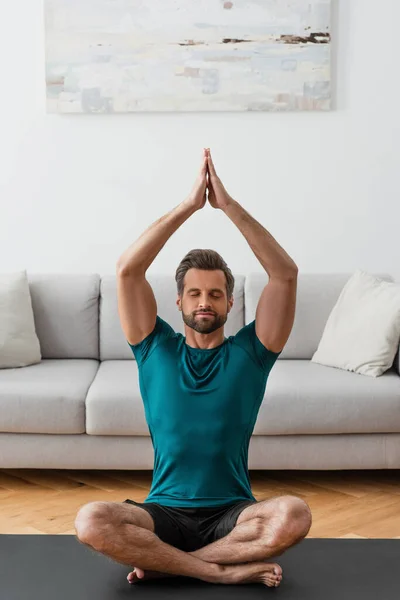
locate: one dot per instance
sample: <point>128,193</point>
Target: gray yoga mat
<point>44,567</point>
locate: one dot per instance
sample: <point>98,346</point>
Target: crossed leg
<point>263,530</point>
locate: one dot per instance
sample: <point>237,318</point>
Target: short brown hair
<point>208,260</point>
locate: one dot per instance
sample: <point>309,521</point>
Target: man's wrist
<point>188,206</point>
<point>229,205</point>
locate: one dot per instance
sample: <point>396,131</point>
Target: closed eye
<point>214,295</point>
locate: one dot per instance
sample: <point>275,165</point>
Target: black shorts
<point>189,529</point>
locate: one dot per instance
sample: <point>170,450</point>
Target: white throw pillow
<point>19,344</point>
<point>362,332</point>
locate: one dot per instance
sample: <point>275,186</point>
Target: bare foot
<point>269,574</point>
<point>257,572</point>
<point>140,574</point>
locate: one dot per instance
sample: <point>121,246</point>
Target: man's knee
<point>302,517</point>
<point>90,521</point>
<point>290,523</point>
<point>296,521</point>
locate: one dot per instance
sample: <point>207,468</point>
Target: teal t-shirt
<point>201,406</point>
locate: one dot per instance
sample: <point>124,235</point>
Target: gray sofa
<point>80,408</point>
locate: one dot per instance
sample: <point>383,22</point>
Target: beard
<point>205,324</point>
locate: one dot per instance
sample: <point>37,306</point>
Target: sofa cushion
<point>301,398</point>
<point>114,405</point>
<point>19,343</point>
<point>114,346</point>
<point>317,294</point>
<point>66,312</point>
<point>48,397</point>
<point>362,332</point>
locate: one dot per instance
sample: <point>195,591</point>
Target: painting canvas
<point>112,56</point>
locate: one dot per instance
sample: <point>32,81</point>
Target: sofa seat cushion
<point>303,397</point>
<point>114,405</point>
<point>48,397</point>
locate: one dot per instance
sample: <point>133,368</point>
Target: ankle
<point>218,573</point>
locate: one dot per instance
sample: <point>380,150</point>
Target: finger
<point>204,165</point>
<point>211,164</point>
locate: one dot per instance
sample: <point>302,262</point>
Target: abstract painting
<point>113,56</point>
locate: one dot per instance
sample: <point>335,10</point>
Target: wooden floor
<point>344,504</point>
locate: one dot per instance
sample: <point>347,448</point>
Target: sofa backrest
<point>76,316</point>
<point>317,294</point>
<point>66,314</point>
<point>113,344</point>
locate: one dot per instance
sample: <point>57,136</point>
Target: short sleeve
<point>161,332</point>
<point>247,339</point>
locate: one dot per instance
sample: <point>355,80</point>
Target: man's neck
<point>204,341</point>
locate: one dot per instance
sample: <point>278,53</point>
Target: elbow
<point>121,268</point>
<point>292,269</point>
<point>284,274</point>
<point>290,274</point>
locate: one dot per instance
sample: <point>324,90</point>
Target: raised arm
<point>137,307</point>
<point>277,304</point>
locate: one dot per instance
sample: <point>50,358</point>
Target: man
<point>201,395</point>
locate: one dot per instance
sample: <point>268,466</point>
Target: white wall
<point>77,190</point>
